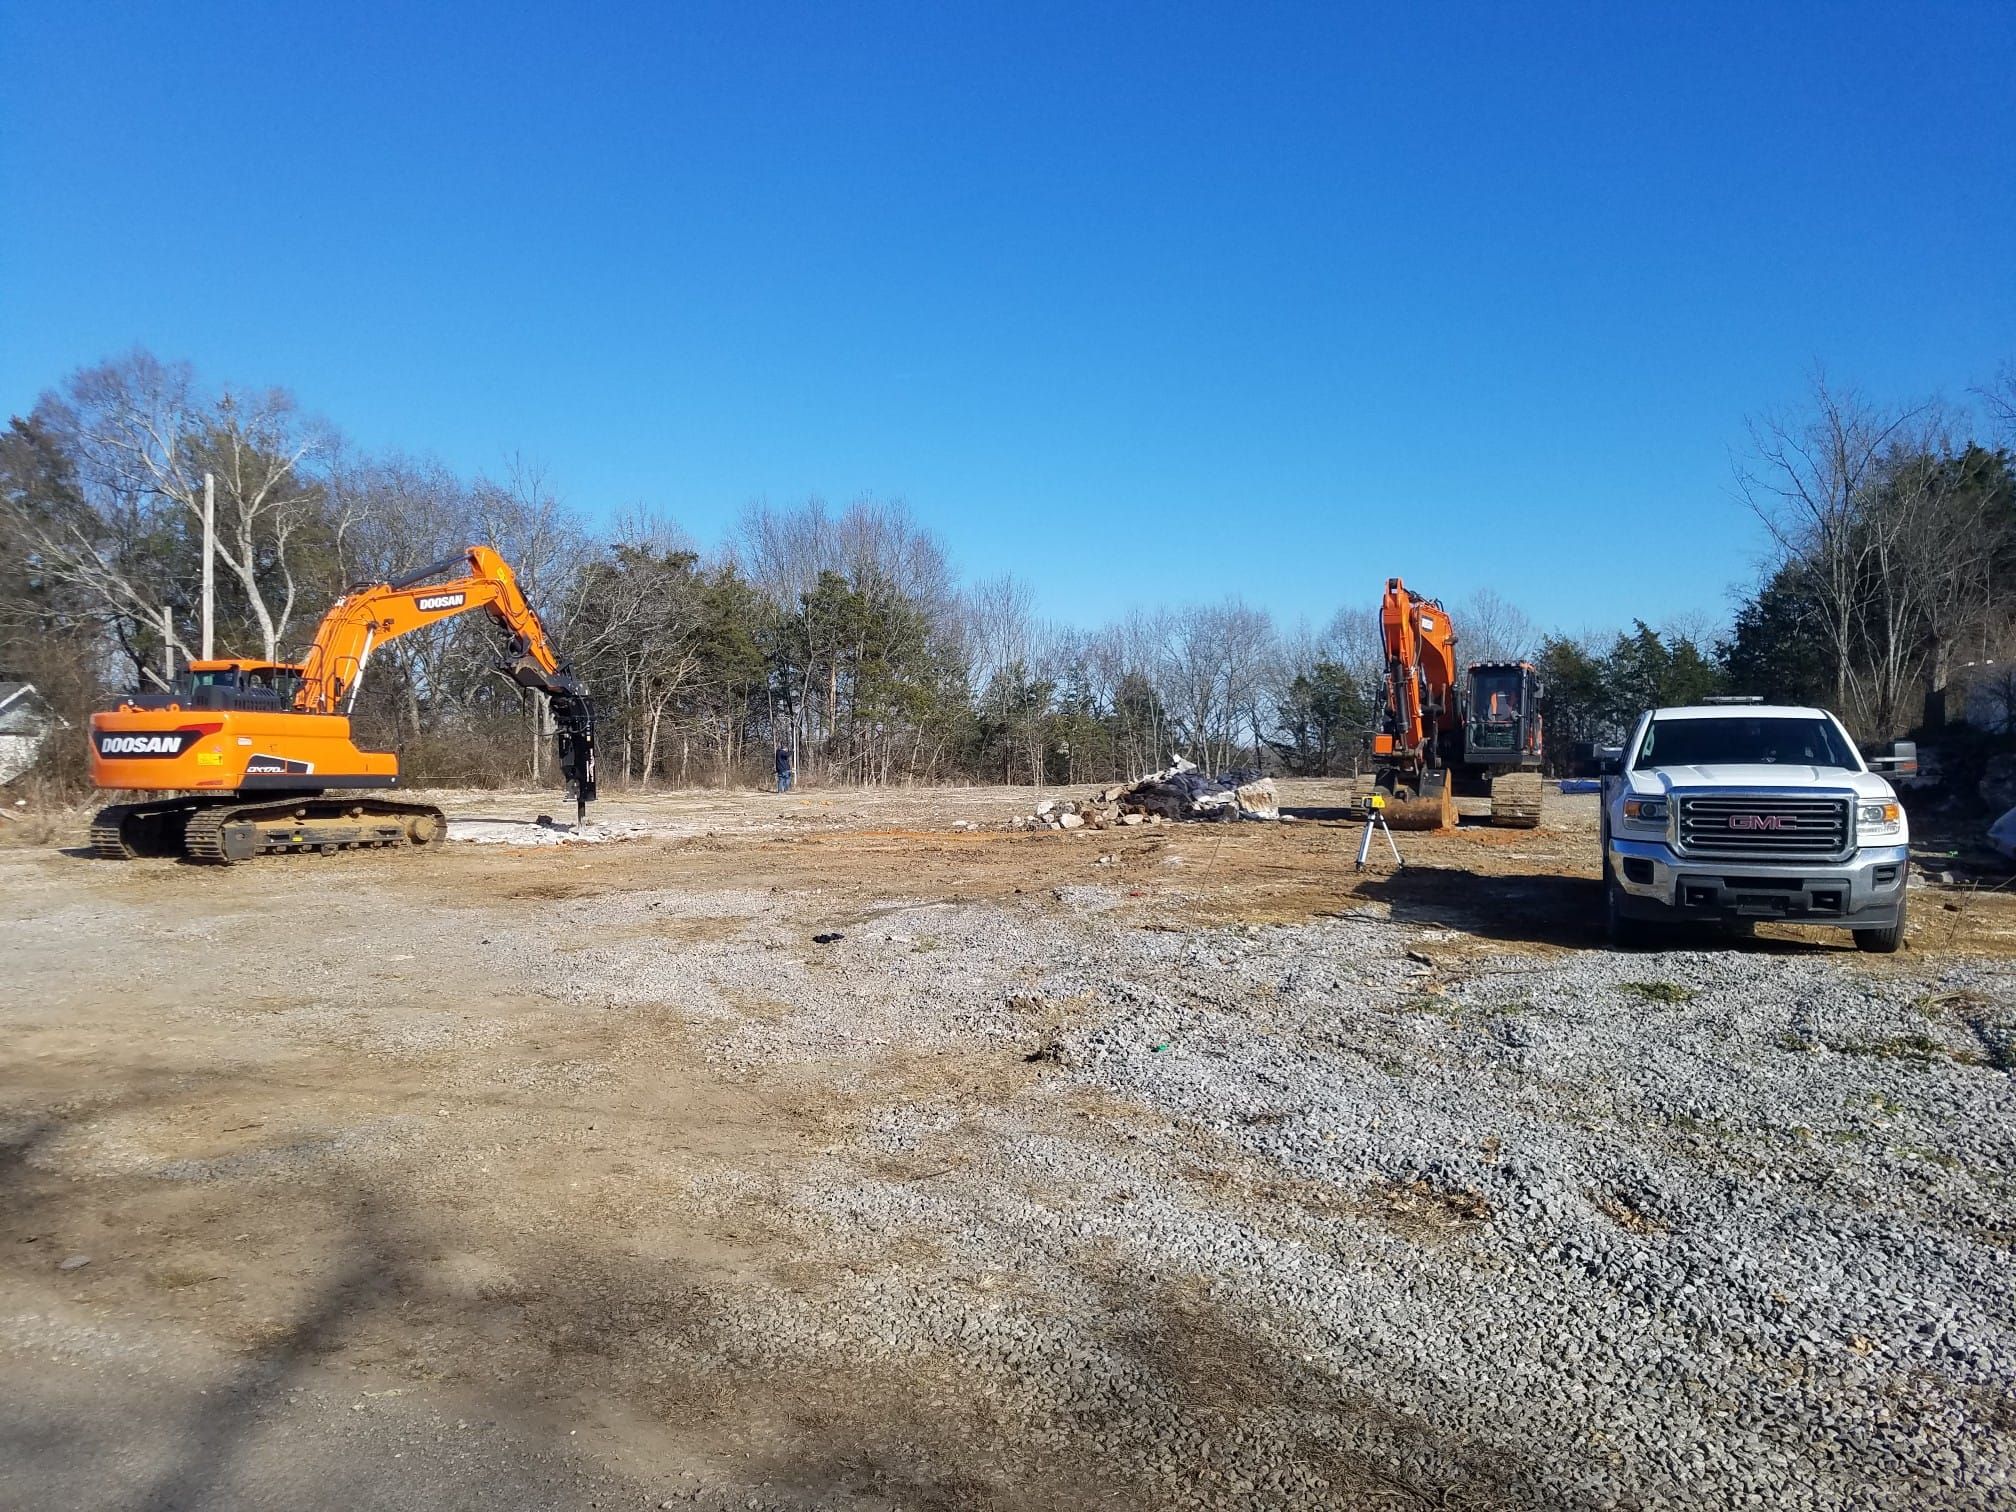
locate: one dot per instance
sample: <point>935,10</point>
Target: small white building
<point>26,723</point>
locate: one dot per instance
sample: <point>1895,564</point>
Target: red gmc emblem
<point>1756,821</point>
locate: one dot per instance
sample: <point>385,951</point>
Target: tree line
<point>846,635</point>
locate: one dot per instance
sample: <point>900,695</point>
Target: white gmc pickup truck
<point>1733,812</point>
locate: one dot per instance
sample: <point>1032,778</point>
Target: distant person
<point>783,769</point>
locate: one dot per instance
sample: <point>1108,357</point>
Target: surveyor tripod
<point>1375,818</point>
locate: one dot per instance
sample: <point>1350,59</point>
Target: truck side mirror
<point>1899,758</point>
<point>1610,764</point>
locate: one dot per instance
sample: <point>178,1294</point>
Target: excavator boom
<point>1420,691</point>
<point>366,618</point>
<point>1420,671</point>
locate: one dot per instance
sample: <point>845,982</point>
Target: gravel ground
<point>1009,1196</point>
<point>1684,1228</point>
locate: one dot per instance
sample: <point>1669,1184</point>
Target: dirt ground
<point>401,1180</point>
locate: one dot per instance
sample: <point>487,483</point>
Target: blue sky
<point>1476,294</point>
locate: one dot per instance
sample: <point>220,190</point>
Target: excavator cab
<point>227,684</point>
<point>1503,729</point>
<point>239,685</point>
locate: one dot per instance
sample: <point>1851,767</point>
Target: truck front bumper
<point>1865,892</point>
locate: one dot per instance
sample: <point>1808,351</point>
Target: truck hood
<point>1760,775</point>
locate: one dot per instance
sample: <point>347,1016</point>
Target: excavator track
<point>1515,800</point>
<point>129,831</point>
<point>322,824</point>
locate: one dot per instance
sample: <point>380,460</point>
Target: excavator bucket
<point>1434,808</point>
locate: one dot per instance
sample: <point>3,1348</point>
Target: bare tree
<point>783,551</point>
<point>142,437</point>
<point>882,541</point>
<point>1935,594</point>
<point>1215,668</point>
<point>1491,629</point>
<point>1999,398</point>
<point>1001,620</point>
<point>1002,643</point>
<point>1121,668</point>
<point>1826,487</point>
<point>1355,641</point>
<point>109,551</point>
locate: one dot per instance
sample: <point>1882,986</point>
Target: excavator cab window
<point>264,688</point>
<point>282,682</point>
<point>1497,708</point>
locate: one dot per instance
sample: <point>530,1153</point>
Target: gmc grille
<point>1761,825</point>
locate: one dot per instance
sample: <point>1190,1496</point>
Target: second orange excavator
<point>1442,725</point>
<point>256,757</point>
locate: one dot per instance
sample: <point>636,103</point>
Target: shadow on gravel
<point>1550,910</point>
<point>231,1412</point>
<point>1209,1367</point>
<point>16,1184</point>
<point>1531,909</point>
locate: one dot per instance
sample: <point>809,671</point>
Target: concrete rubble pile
<point>1176,794</point>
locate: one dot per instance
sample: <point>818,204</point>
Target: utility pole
<point>168,643</point>
<point>209,559</point>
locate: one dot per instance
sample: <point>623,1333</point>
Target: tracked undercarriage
<point>1515,799</point>
<point>1430,804</point>
<point>225,828</point>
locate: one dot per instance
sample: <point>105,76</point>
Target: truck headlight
<point>1879,818</point>
<point>1645,810</point>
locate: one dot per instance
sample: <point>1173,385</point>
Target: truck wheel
<point>1883,941</point>
<point>1623,931</point>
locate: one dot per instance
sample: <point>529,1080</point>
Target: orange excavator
<point>1442,726</point>
<point>255,757</point>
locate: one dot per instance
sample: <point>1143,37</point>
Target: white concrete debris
<point>1146,801</point>
<point>526,832</point>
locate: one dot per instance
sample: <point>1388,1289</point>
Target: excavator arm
<point>367,617</point>
<point>1421,673</point>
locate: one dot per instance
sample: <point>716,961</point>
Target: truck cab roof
<point>1739,711</point>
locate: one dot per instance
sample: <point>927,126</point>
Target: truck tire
<point>1883,941</point>
<point>1623,931</point>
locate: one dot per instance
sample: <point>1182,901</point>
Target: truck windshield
<point>1742,742</point>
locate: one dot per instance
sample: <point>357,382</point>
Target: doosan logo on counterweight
<point>172,744</point>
